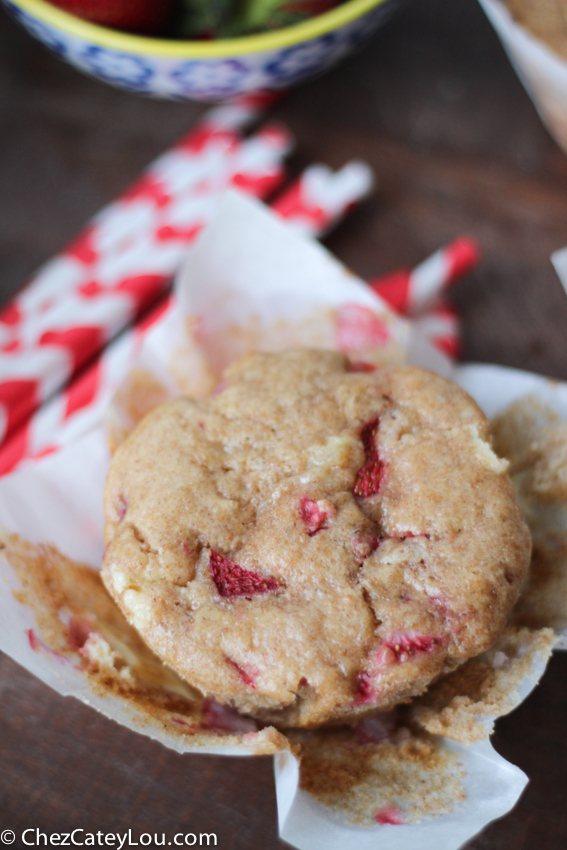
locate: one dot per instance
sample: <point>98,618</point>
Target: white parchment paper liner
<point>248,267</point>
<point>542,72</point>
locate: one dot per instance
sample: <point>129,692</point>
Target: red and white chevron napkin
<point>70,336</point>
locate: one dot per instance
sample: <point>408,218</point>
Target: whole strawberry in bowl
<point>142,46</point>
<point>231,18</point>
<point>139,16</point>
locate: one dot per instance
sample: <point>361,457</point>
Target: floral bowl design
<point>203,70</point>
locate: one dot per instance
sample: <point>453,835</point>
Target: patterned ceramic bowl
<point>203,70</point>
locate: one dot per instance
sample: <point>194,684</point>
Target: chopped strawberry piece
<point>361,366</point>
<point>363,545</point>
<point>315,515</point>
<point>390,814</point>
<point>122,507</point>
<point>369,477</point>
<point>396,649</point>
<point>368,437</point>
<point>245,675</point>
<point>78,631</point>
<point>181,722</point>
<point>233,580</point>
<point>40,646</point>
<point>444,609</point>
<point>220,718</point>
<point>366,693</point>
<point>33,640</point>
<point>404,647</point>
<point>405,535</point>
<point>385,657</point>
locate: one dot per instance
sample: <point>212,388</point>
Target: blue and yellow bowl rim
<point>179,49</point>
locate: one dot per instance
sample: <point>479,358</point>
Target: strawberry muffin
<point>318,541</point>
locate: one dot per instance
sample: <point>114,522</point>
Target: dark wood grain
<point>433,104</point>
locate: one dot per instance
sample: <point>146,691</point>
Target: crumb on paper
<point>372,774</point>
<point>534,438</point>
<point>464,704</point>
<point>78,624</point>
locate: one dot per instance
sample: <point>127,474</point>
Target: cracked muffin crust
<point>318,541</point>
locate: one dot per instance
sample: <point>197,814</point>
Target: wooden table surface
<point>433,104</point>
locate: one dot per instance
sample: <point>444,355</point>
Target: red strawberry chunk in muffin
<point>366,693</point>
<point>370,475</point>
<point>233,580</point>
<point>122,507</point>
<point>221,718</point>
<point>399,648</point>
<point>361,366</point>
<point>403,646</point>
<point>408,535</point>
<point>363,545</point>
<point>389,814</point>
<point>315,515</point>
<point>396,649</point>
<point>246,675</point>
<point>78,631</point>
<point>369,478</point>
<point>368,438</point>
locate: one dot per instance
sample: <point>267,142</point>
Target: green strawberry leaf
<point>204,18</point>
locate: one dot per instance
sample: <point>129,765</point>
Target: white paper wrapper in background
<point>249,271</point>
<point>559,260</point>
<point>248,258</point>
<point>542,72</point>
<point>512,385</point>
